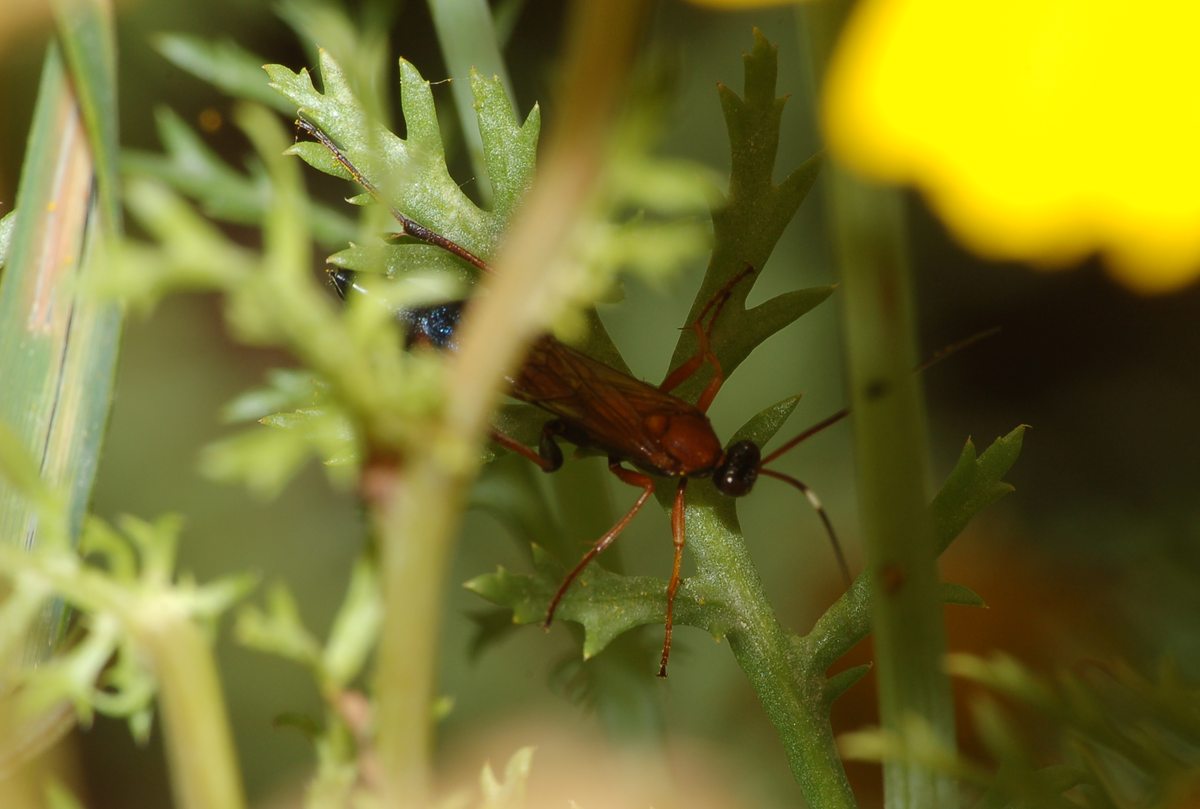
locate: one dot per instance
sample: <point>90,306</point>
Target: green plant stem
<point>418,510</point>
<point>468,41</point>
<point>890,447</point>
<point>204,773</point>
<point>909,632</point>
<point>416,526</point>
<point>793,697</point>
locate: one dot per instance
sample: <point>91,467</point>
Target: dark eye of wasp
<point>738,470</point>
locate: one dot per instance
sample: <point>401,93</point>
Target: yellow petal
<point>1041,130</point>
<point>738,5</point>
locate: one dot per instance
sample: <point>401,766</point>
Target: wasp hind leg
<point>548,457</point>
<point>600,545</point>
<point>704,353</point>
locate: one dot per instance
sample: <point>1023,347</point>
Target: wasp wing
<point>602,407</point>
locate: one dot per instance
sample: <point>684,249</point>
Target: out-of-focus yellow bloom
<point>1041,130</point>
<point>738,5</point>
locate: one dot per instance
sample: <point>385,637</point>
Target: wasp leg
<point>548,448</point>
<point>633,479</point>
<point>679,538</point>
<point>548,464</point>
<point>704,353</point>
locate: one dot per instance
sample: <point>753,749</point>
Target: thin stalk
<point>416,525</point>
<point>890,448</point>
<point>468,41</point>
<point>204,772</point>
<point>908,627</point>
<point>792,695</point>
<point>416,510</point>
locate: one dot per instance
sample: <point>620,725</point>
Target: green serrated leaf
<point>747,226</point>
<point>156,543</point>
<point>125,688</point>
<point>509,147</point>
<point>262,460</point>
<point>410,172</point>
<point>604,603</point>
<point>974,484</point>
<point>217,597</point>
<point>469,46</point>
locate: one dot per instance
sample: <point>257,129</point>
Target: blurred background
<point>1097,554</point>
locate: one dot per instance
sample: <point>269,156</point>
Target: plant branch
<point>417,514</point>
<point>792,695</point>
<point>907,622</point>
<point>204,772</point>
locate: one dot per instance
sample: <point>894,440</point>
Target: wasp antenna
<point>824,423</point>
<point>815,502</point>
<point>954,348</point>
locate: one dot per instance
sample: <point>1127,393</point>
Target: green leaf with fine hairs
<point>411,172</point>
<point>509,147</point>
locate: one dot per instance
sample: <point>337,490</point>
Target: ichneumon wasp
<point>599,407</point>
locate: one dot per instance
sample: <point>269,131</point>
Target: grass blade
<point>57,347</point>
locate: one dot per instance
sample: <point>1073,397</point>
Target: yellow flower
<point>741,5</point>
<point>1041,130</point>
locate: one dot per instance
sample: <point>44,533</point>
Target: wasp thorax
<point>738,470</point>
